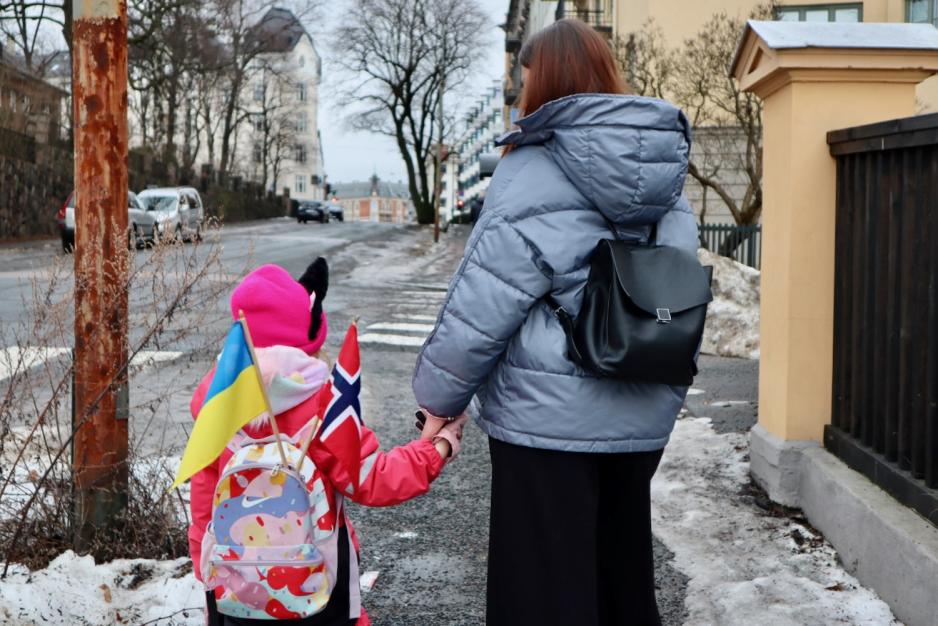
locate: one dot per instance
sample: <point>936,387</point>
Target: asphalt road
<point>430,553</point>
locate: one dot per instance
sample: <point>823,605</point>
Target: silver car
<point>140,224</point>
<point>177,212</point>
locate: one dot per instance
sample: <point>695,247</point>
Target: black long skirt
<point>570,538</point>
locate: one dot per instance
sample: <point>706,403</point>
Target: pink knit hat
<point>277,309</point>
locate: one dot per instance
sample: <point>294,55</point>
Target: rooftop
<point>278,31</point>
<point>363,189</point>
<point>782,35</point>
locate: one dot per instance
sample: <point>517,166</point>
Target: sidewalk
<point>747,560</point>
<point>724,554</point>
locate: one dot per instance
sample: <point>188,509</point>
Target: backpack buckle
<point>664,316</point>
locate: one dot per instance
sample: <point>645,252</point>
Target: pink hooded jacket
<point>293,379</point>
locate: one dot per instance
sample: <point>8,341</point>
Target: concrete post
<point>813,78</point>
<point>99,79</point>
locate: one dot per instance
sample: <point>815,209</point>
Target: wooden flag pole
<point>260,381</point>
<point>315,430</point>
<point>309,440</point>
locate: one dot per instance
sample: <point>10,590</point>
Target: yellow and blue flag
<point>235,397</point>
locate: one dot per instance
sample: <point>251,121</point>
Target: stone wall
<point>35,181</point>
<point>32,191</point>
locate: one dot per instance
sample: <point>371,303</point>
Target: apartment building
<point>462,181</point>
<point>281,146</point>
<point>29,105</point>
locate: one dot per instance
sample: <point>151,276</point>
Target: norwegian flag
<point>340,431</point>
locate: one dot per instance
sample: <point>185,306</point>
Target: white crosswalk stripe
<point>428,295</point>
<point>405,327</point>
<point>22,359</point>
<point>414,317</point>
<point>416,307</point>
<point>391,340</point>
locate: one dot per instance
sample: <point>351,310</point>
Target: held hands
<point>446,434</point>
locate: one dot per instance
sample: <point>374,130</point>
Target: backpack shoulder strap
<point>238,440</point>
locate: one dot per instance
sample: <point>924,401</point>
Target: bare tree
<point>404,56</point>
<point>237,26</point>
<point>696,77</point>
<point>274,120</point>
<point>24,22</point>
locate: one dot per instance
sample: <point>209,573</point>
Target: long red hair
<point>565,58</point>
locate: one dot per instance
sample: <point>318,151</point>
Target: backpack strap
<point>238,440</point>
<point>299,438</point>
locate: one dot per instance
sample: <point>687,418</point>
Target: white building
<point>461,176</point>
<point>280,146</point>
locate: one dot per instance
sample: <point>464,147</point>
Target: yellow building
<point>681,19</point>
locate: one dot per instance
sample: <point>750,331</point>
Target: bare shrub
<point>173,290</point>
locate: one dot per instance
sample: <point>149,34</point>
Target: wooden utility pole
<point>99,96</point>
<point>438,182</point>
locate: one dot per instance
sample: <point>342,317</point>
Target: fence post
<point>750,246</point>
<point>99,79</point>
<point>808,91</point>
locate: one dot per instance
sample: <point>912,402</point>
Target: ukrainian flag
<point>234,398</point>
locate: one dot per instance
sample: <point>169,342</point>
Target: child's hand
<point>442,446</point>
<point>448,438</point>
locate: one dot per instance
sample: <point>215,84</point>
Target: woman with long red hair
<point>572,453</point>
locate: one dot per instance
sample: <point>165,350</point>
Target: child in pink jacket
<point>289,328</point>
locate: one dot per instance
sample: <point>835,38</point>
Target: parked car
<point>312,211</point>
<point>140,225</point>
<point>336,212</point>
<point>177,211</point>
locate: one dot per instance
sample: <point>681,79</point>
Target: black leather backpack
<point>643,313</point>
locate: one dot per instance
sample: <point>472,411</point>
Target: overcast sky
<point>355,156</point>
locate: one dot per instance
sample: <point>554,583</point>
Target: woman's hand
<point>431,425</point>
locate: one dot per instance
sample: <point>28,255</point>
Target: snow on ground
<point>733,316</point>
<point>745,566</point>
<point>74,591</point>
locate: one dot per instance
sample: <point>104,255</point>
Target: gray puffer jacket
<point>623,155</point>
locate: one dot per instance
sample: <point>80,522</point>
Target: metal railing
<point>600,19</point>
<point>884,420</point>
<point>741,243</point>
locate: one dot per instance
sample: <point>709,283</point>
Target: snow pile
<point>746,567</point>
<point>733,316</point>
<point>74,591</point>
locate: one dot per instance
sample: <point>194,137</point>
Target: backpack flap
<point>660,279</point>
<point>643,313</point>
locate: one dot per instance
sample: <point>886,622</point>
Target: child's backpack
<point>271,549</point>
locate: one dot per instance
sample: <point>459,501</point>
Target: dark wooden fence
<point>742,243</point>
<point>885,387</point>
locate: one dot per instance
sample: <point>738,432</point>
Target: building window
<point>821,13</point>
<point>258,122</point>
<point>299,153</point>
<point>300,183</point>
<point>259,90</point>
<point>302,125</point>
<point>258,153</point>
<point>922,11</point>
<point>301,92</point>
